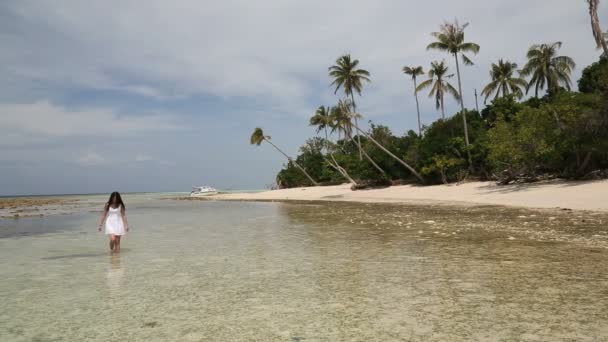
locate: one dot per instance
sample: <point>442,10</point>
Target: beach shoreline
<point>555,194</point>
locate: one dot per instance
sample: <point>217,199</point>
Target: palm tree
<point>415,72</point>
<point>257,137</point>
<point>345,106</point>
<point>503,80</point>
<point>605,36</point>
<point>322,119</point>
<point>439,85</point>
<point>346,75</point>
<point>450,39</point>
<point>342,121</point>
<point>547,69</point>
<point>598,34</point>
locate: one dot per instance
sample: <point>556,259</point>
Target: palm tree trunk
<point>464,115</point>
<point>356,123</point>
<point>595,26</point>
<point>294,163</point>
<point>442,108</point>
<point>367,155</point>
<point>391,154</point>
<point>340,169</point>
<point>335,165</point>
<point>417,107</point>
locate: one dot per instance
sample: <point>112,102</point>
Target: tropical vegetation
<point>414,72</point>
<point>438,75</point>
<point>520,136</point>
<point>504,81</point>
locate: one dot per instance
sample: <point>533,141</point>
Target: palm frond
<point>467,60</point>
<point>257,136</point>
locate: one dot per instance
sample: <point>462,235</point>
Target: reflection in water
<point>115,273</point>
<point>206,271</point>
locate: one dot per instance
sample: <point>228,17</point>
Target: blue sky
<point>97,96</point>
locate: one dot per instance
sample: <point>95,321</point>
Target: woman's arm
<point>123,212</point>
<point>103,217</point>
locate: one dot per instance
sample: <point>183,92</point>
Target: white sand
<point>591,195</point>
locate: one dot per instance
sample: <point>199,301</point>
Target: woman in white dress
<point>115,218</point>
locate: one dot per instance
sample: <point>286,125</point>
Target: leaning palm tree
<point>605,36</point>
<point>547,69</point>
<point>504,81</point>
<point>322,119</point>
<point>347,76</point>
<point>342,121</point>
<point>598,34</point>
<point>346,107</point>
<point>439,85</point>
<point>257,137</point>
<point>450,39</point>
<point>415,72</point>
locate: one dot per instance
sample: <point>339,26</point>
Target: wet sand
<point>18,207</point>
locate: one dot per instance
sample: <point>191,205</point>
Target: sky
<point>98,96</point>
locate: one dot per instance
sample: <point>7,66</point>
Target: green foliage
<point>443,165</point>
<point>503,80</point>
<point>567,136</point>
<point>439,85</point>
<point>450,38</point>
<point>595,78</point>
<point>257,136</point>
<point>503,108</point>
<point>563,134</point>
<point>546,69</point>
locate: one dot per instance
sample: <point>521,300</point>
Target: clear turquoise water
<point>219,271</point>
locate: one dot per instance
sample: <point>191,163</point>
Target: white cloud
<point>91,159</point>
<point>274,51</point>
<point>39,121</point>
<point>140,158</point>
<point>273,54</point>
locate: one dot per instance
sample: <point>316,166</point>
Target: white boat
<point>200,191</point>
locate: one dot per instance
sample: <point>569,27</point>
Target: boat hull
<point>203,194</point>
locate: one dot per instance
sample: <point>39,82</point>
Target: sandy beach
<point>588,195</point>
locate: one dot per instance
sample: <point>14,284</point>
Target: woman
<point>115,218</point>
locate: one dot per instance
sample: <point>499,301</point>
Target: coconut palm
<point>346,107</point>
<point>339,122</point>
<point>347,76</point>
<point>342,121</point>
<point>598,34</point>
<point>504,81</point>
<point>322,119</point>
<point>450,39</point>
<point>547,69</point>
<point>439,85</point>
<point>605,36</point>
<point>415,72</point>
<point>257,137</point>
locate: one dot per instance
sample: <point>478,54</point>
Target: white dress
<point>114,224</point>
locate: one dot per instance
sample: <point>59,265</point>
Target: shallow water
<point>219,271</point>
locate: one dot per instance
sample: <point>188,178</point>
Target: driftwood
<point>597,174</point>
<point>522,175</point>
<point>372,184</point>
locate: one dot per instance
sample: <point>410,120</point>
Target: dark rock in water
<point>150,324</point>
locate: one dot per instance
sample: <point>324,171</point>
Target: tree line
<point>555,133</point>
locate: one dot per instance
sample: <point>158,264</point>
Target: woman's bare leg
<point>117,243</point>
<point>112,242</point>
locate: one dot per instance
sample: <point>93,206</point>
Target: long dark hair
<point>115,196</point>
